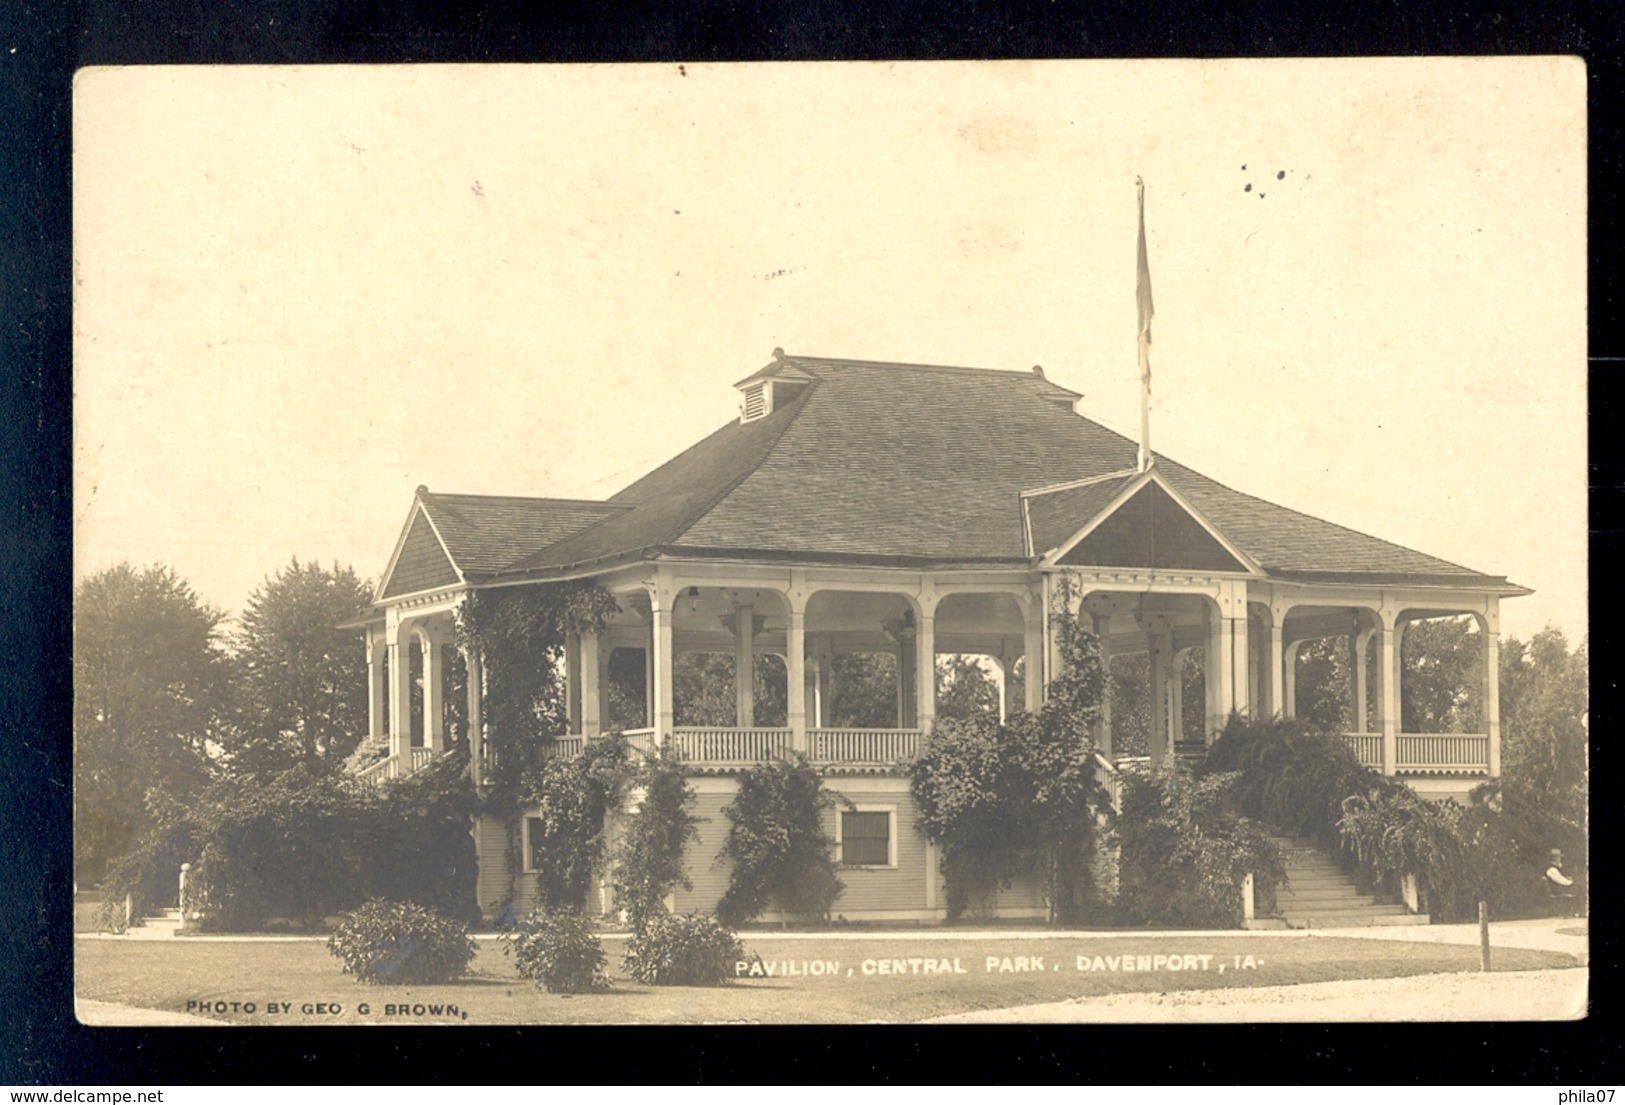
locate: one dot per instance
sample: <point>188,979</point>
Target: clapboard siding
<point>708,874</point>
<point>899,887</point>
<point>491,847</point>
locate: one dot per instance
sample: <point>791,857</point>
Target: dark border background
<point>41,45</point>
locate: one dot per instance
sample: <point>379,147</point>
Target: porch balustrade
<point>641,740</point>
<point>1443,753</point>
<point>1367,748</point>
<point>862,746</point>
<point>729,746</point>
<point>563,748</point>
<point>421,758</point>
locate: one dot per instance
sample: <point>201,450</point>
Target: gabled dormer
<point>774,385</point>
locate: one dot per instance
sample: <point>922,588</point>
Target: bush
<point>570,800</point>
<point>558,951</point>
<point>401,944</point>
<point>650,860</point>
<point>776,841</point>
<point>1185,852</point>
<point>687,950</point>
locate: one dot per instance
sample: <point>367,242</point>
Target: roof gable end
<point>420,561</point>
<point>1148,524</point>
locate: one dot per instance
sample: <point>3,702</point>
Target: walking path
<point>1464,996</point>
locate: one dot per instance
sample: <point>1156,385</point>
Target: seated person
<point>1557,883</point>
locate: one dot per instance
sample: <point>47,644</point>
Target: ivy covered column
<point>476,713</point>
<point>592,709</point>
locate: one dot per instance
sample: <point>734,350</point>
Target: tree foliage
<point>965,690</point>
<point>777,846</point>
<point>1002,800</point>
<point>520,635</point>
<point>302,680</point>
<point>703,689</point>
<point>1185,853</point>
<point>151,695</point>
<point>649,862</point>
<point>569,802</point>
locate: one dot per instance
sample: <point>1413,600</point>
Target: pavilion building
<point>911,511</point>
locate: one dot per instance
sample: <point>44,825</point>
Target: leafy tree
<point>1440,689</point>
<point>1005,799</point>
<point>703,689</point>
<point>650,860</point>
<point>303,679</point>
<point>965,690</point>
<point>777,845</point>
<point>862,690</point>
<point>150,694</point>
<point>1324,702</point>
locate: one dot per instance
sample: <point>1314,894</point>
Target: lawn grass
<point>165,975</point>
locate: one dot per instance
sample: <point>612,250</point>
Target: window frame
<point>890,810</point>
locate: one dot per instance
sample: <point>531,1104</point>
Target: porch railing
<point>1443,753</point>
<point>862,746</point>
<point>729,746</point>
<point>563,748</point>
<point>1107,775</point>
<point>1367,748</point>
<point>421,758</point>
<point>381,772</point>
<point>643,740</point>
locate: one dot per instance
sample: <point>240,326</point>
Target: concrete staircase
<point>157,926</point>
<point>1318,895</point>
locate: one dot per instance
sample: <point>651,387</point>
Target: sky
<point>300,292</point>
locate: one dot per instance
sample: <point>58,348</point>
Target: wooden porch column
<point>572,684</point>
<point>795,669</point>
<point>400,696</point>
<point>1388,688</point>
<point>661,662</point>
<point>476,714</point>
<point>1176,698</point>
<point>745,666</point>
<point>1490,626</point>
<point>1358,642</point>
<point>1032,651</point>
<point>1158,645</point>
<point>590,676</point>
<point>1289,680</point>
<point>377,684</point>
<point>1098,625</point>
<point>1001,676</point>
<point>1275,649</point>
<point>925,651</point>
<point>434,691</point>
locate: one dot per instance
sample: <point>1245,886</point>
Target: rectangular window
<point>865,838</point>
<point>533,835</point>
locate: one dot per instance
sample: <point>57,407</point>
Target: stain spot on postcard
<point>983,238</point>
<point>998,134</point>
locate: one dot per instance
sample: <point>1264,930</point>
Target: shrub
<point>1019,797</point>
<point>649,863</point>
<point>1185,852</point>
<point>686,950</point>
<point>558,951</point>
<point>570,800</point>
<point>401,944</point>
<point>777,843</point>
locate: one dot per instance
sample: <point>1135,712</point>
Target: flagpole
<point>1142,295</point>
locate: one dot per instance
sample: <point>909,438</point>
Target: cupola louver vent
<point>758,401</point>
